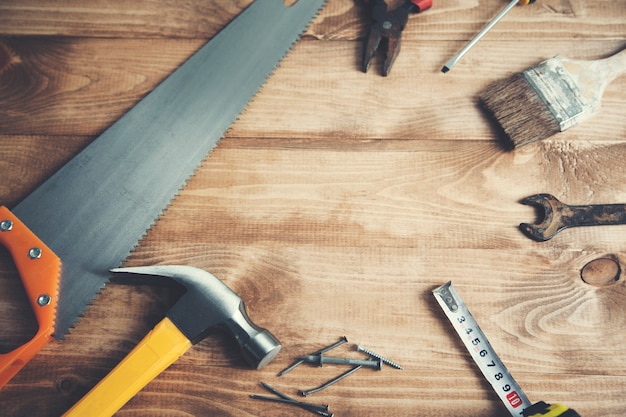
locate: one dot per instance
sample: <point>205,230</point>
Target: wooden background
<point>334,206</point>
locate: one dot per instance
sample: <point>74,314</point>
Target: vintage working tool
<point>452,61</point>
<point>558,216</point>
<point>552,97</point>
<point>94,210</point>
<point>207,304</point>
<point>388,26</point>
<point>489,362</point>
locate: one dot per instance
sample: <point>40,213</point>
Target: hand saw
<point>87,218</point>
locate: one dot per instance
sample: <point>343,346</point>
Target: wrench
<point>558,216</point>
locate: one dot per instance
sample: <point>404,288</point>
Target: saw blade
<point>95,209</point>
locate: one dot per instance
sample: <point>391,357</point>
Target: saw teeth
<point>173,127</point>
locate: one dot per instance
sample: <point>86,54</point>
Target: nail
<point>273,390</point>
<point>321,360</point>
<point>314,408</point>
<point>319,352</point>
<point>331,382</point>
<point>377,356</point>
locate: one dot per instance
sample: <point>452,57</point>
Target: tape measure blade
<point>481,350</point>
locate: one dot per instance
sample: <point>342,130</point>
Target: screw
<point>319,352</point>
<point>34,253</point>
<point>321,360</point>
<point>6,225</point>
<point>43,300</point>
<point>377,356</point>
<point>331,382</point>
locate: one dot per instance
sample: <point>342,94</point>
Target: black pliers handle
<point>389,25</point>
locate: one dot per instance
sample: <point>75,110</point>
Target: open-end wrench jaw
<point>558,216</point>
<point>551,223</point>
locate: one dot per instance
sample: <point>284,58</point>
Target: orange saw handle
<point>158,350</point>
<point>40,271</point>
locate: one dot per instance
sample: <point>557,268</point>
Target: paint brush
<point>553,96</point>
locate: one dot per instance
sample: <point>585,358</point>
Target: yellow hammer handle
<point>158,350</point>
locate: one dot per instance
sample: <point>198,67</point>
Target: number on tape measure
<point>481,351</point>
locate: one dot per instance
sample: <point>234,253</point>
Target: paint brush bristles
<point>552,97</point>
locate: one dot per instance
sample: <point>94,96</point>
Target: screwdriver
<point>448,65</point>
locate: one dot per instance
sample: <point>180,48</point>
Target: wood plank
<point>363,294</point>
<point>455,20</point>
<point>81,86</point>
<point>27,161</point>
<point>460,195</point>
<point>118,18</point>
<point>64,86</point>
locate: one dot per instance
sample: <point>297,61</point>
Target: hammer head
<point>208,303</point>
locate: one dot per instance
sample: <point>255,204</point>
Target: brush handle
<point>610,68</point>
<point>593,76</point>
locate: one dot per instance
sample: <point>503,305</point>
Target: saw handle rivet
<point>43,300</point>
<point>34,253</point>
<point>6,225</point>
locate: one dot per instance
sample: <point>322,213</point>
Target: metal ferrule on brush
<point>559,92</point>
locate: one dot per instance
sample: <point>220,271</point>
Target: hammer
<point>206,304</point>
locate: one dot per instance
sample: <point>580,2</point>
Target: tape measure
<point>488,361</point>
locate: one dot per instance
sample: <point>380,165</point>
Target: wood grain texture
<point>333,207</point>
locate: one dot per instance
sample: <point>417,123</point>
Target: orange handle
<point>40,271</point>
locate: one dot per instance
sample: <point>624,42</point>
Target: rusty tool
<point>558,216</point>
<point>388,25</point>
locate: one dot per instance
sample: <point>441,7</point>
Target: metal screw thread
<point>377,356</point>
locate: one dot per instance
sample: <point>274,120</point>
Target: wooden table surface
<point>333,207</point>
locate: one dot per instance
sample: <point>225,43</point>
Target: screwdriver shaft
<point>452,61</point>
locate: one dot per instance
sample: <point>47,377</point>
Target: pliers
<point>389,25</point>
